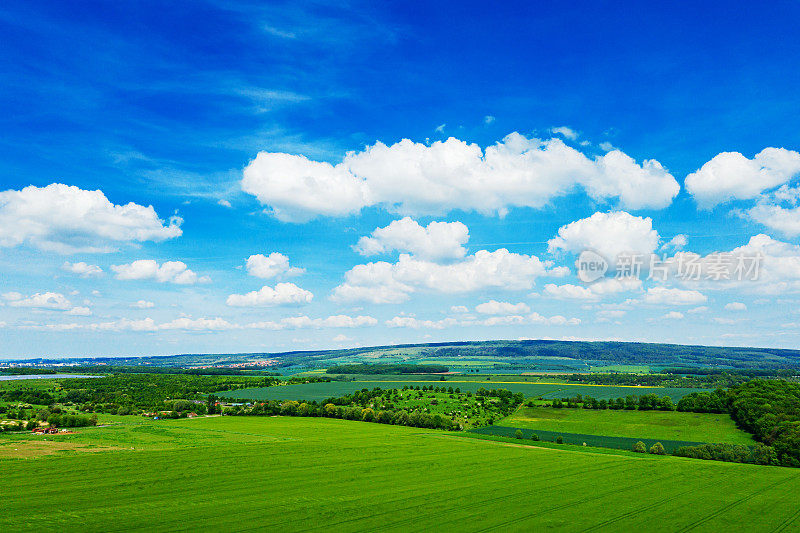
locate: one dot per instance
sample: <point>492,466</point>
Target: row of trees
<point>646,402</point>
<point>661,380</point>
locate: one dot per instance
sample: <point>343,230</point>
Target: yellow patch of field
<point>38,447</point>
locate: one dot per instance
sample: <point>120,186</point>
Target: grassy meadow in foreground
<point>670,425</point>
<point>234,473</point>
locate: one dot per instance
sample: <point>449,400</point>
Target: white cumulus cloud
<point>170,271</point>
<point>439,240</point>
<point>593,291</point>
<point>416,179</point>
<point>667,296</point>
<point>270,266</point>
<point>281,294</point>
<point>383,282</point>
<point>40,300</point>
<point>735,306</point>
<point>493,307</point>
<point>66,219</point>
<point>609,234</point>
<point>732,176</point>
<point>82,269</point>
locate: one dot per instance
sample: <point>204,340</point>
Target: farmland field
<point>235,474</point>
<point>320,391</point>
<point>669,425</point>
<point>581,439</point>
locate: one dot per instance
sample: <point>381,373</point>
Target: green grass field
<point>320,391</point>
<point>239,474</point>
<point>669,425</point>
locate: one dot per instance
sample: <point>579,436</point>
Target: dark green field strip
<point>601,441</point>
<point>321,391</point>
<point>337,475</point>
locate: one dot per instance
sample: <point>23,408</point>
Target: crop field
<point>581,439</point>
<point>667,425</point>
<point>320,391</point>
<point>236,474</point>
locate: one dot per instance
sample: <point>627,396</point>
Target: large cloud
<point>383,282</point>
<point>53,301</point>
<point>82,269</point>
<point>66,219</point>
<point>169,271</point>
<point>40,300</point>
<point>778,265</point>
<point>281,294</point>
<point>439,240</point>
<point>270,266</point>
<point>609,234</point>
<point>778,210</point>
<point>414,178</point>
<point>732,176</point>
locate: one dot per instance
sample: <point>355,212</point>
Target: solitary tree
<point>559,440</point>
<point>534,437</point>
<point>640,447</point>
<point>518,434</point>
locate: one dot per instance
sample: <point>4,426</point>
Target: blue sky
<point>406,173</point>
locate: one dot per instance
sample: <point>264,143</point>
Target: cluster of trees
<point>769,409</point>
<point>32,396</point>
<point>732,453</point>
<point>655,449</point>
<point>20,425</point>
<point>646,402</point>
<point>347,412</point>
<point>53,415</point>
<point>717,401</point>
<point>377,369</point>
<point>125,394</point>
<point>70,420</point>
<point>365,405</point>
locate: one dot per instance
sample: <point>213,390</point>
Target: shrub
<point>559,440</point>
<point>640,447</point>
<point>535,437</point>
<point>657,449</point>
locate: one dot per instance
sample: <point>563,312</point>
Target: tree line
<point>646,402</point>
